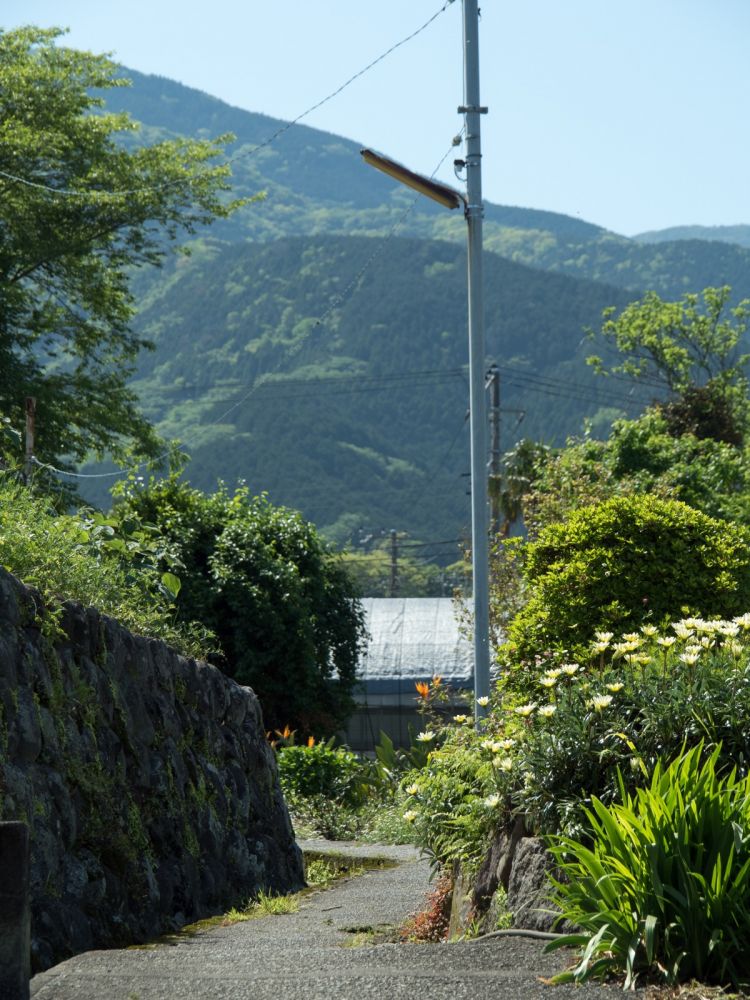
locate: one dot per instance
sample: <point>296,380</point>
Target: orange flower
<point>423,689</point>
<point>311,741</point>
<point>437,680</point>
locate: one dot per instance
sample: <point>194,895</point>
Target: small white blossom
<point>624,648</point>
<point>690,658</point>
<point>412,789</point>
<point>493,801</point>
<point>426,737</point>
<point>525,710</point>
<point>547,711</point>
<point>483,702</point>
<point>614,688</point>
<point>730,629</point>
<point>682,630</point>
<point>599,702</point>
<point>410,815</point>
<point>634,659</point>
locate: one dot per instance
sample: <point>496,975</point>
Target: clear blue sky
<point>628,113</point>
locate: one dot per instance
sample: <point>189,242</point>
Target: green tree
<point>262,580</point>
<point>81,205</point>
<point>630,559</point>
<point>690,350</point>
<point>640,456</point>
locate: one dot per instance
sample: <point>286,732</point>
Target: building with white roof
<point>411,639</point>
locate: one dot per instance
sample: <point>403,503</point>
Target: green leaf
<point>171,583</point>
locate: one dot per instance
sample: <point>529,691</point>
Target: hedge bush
<point>631,559</point>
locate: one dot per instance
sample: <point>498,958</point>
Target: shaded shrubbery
<point>261,578</point>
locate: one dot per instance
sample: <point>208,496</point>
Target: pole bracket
<point>472,109</point>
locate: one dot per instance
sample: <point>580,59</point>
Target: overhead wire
<point>243,154</point>
<point>287,356</point>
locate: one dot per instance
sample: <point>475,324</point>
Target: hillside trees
<point>691,349</point>
<point>261,579</point>
<point>79,208</point>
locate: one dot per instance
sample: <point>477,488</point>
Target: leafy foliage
<point>456,798</point>
<point>370,573</point>
<point>663,889</point>
<point>631,702</point>
<point>640,456</point>
<point>691,348</point>
<point>83,213</point>
<point>262,580</point>
<point>320,769</point>
<point>625,561</point>
<point>328,788</point>
<point>433,922</point>
<point>116,566</point>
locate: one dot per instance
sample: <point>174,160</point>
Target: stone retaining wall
<point>146,780</point>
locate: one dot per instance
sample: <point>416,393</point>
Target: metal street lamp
<point>473,211</point>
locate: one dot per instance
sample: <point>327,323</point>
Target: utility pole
<point>495,478</point>
<point>393,589</point>
<point>472,112</point>
<point>474,210</point>
<point>28,467</point>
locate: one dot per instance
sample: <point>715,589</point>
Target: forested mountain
<point>361,419</point>
<point>350,307</point>
<point>724,234</point>
<point>317,183</point>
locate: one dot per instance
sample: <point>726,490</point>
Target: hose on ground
<point>521,932</point>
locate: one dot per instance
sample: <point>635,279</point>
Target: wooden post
<point>15,914</point>
<point>393,589</point>
<point>28,467</point>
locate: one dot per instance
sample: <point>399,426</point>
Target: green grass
<point>266,905</point>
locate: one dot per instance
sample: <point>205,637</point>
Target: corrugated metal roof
<point>411,639</point>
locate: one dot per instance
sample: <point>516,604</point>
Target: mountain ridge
<point>315,345</point>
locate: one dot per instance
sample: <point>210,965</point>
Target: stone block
<point>528,886</point>
<point>496,865</point>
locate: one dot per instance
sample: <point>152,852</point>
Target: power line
<point>286,357</point>
<point>245,154</point>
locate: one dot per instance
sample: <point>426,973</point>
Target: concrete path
<point>309,955</point>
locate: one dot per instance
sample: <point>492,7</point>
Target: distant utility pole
<point>494,386</point>
<point>28,467</point>
<point>393,589</point>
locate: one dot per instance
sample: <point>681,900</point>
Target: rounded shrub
<point>619,563</point>
<point>336,774</point>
